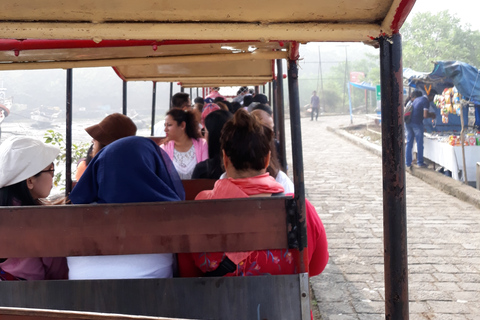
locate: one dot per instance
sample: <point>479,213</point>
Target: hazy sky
<point>466,10</point>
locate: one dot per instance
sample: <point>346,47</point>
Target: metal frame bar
<point>394,193</point>
<point>68,133</point>
<point>124,98</point>
<point>154,103</point>
<point>280,112</point>
<point>297,158</point>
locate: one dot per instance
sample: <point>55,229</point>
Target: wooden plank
<point>134,228</point>
<point>193,187</point>
<point>45,314</point>
<point>271,297</point>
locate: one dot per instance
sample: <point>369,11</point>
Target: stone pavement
<point>344,183</point>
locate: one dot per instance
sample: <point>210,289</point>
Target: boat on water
<point>44,116</point>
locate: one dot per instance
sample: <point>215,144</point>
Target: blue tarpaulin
<point>447,74</point>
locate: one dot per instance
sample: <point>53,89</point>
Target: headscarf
<point>132,169</point>
<point>207,109</point>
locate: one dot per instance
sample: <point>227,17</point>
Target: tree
<point>432,37</point>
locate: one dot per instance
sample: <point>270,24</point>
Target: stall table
<point>450,157</point>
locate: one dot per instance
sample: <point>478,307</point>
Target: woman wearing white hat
<point>26,177</point>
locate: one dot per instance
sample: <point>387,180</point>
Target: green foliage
<point>430,37</point>
<point>78,151</point>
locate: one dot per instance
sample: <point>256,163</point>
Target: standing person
<point>185,147</point>
<point>315,104</point>
<point>26,178</point>
<point>180,100</point>
<point>415,128</point>
<point>428,121</point>
<point>246,147</point>
<point>129,170</point>
<point>215,94</point>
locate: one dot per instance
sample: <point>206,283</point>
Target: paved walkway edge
<point>437,180</point>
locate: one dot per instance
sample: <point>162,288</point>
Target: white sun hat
<point>22,158</point>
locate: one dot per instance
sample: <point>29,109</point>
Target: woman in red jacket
<point>245,145</point>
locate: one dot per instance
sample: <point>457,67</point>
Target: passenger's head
<point>416,94</point>
<point>260,98</point>
<point>247,100</point>
<point>207,109</point>
<point>314,93</point>
<point>214,123</point>
<point>264,118</point>
<point>179,123</point>
<point>181,100</point>
<point>132,169</point>
<point>111,128</point>
<point>198,100</point>
<point>218,99</point>
<point>432,94</point>
<point>246,144</point>
<point>197,110</point>
<point>26,170</point>
<point>236,106</point>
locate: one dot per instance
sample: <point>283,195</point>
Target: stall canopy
<point>447,74</point>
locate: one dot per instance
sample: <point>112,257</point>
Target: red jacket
<point>260,262</point>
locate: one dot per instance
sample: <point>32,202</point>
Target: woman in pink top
<point>185,145</point>
<point>26,177</point>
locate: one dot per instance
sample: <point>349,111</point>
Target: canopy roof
<point>447,74</point>
<point>309,20</point>
<point>207,43</point>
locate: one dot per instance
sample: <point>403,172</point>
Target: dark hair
<point>246,142</point>
<point>214,123</point>
<point>179,99</point>
<point>263,107</point>
<point>198,106</point>
<point>89,155</point>
<point>416,94</point>
<point>191,123</point>
<point>433,92</point>
<point>18,191</point>
<point>236,106</point>
<point>199,100</point>
<point>260,98</point>
<point>247,100</point>
<point>222,105</point>
<point>217,99</point>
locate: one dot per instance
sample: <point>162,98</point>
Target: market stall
<point>451,142</point>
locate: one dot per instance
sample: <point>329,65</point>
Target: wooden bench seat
<point>188,226</point>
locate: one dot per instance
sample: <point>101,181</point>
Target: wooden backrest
<point>188,226</point>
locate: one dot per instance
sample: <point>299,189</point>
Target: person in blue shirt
<point>415,128</point>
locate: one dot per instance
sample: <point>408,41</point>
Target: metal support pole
<point>297,158</point>
<point>394,193</point>
<point>270,94</point>
<point>263,90</point>
<point>68,134</point>
<point>182,89</point>
<point>171,94</point>
<point>124,109</point>
<point>280,111</point>
<point>197,93</point>
<point>273,100</point>
<point>154,100</point>
<point>257,89</point>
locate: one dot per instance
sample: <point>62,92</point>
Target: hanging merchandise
<point>448,102</point>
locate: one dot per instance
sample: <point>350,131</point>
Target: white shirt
<point>133,266</point>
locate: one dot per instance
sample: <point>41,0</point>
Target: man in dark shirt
<point>315,104</point>
<point>415,128</point>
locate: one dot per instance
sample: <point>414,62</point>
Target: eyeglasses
<point>49,170</point>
